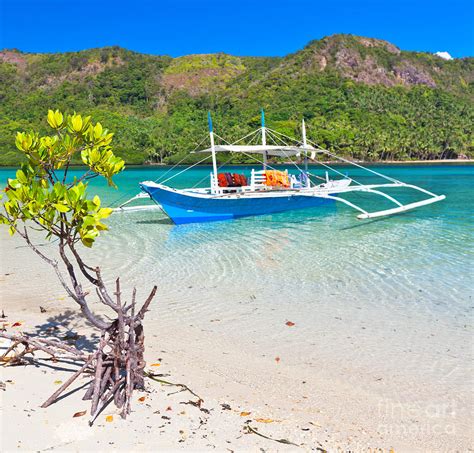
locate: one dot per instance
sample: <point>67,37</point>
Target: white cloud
<point>444,55</point>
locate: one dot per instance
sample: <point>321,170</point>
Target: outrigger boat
<point>267,190</point>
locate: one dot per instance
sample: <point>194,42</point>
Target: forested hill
<point>361,97</point>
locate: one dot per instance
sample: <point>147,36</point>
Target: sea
<point>383,297</point>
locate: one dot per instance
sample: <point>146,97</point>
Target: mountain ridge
<point>355,91</point>
<point>343,49</point>
<point>381,41</point>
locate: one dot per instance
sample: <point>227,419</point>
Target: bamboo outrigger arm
<point>140,195</point>
<point>403,208</point>
<point>386,212</point>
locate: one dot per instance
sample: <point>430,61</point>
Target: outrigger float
<point>267,190</point>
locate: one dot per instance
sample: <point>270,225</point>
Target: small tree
<point>44,197</point>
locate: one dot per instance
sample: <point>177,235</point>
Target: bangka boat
<point>268,190</point>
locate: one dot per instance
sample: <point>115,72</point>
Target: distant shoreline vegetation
<point>361,98</point>
<point>447,162</point>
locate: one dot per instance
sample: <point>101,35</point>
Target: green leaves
<point>98,131</point>
<point>20,175</point>
<point>42,195</point>
<point>92,222</point>
<point>25,142</point>
<point>55,119</point>
<point>61,207</point>
<point>78,124</point>
<point>102,161</point>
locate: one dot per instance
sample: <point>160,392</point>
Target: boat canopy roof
<point>270,150</point>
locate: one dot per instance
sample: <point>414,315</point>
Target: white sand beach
<point>308,405</point>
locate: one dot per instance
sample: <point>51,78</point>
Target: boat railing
<point>257,179</point>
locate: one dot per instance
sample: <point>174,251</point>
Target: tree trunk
<point>118,363</point>
<point>119,360</point>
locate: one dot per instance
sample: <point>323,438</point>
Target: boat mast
<point>303,129</point>
<point>264,140</point>
<point>213,150</point>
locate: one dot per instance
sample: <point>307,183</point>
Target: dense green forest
<point>360,97</point>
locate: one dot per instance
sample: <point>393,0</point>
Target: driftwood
<point>54,348</point>
<point>117,366</point>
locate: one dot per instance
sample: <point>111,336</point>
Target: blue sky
<point>241,27</point>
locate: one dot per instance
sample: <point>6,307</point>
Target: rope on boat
<point>142,194</point>
<point>181,161</point>
<point>274,135</point>
<point>388,178</point>
<point>240,139</point>
<point>329,153</point>
<point>218,168</point>
<point>186,169</point>
<point>298,142</point>
<point>244,153</point>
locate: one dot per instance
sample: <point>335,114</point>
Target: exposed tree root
<point>23,344</point>
<point>117,365</point>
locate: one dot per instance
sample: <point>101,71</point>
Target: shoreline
<point>362,162</point>
<point>332,162</point>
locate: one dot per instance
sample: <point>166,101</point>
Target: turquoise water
<point>390,297</point>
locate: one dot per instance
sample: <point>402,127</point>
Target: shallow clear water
<point>391,296</point>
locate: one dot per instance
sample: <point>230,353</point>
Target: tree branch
<point>103,290</point>
<point>144,308</point>
<point>51,262</point>
<point>82,266</point>
<point>77,295</point>
<point>44,344</point>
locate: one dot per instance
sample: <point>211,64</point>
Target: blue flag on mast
<point>209,120</point>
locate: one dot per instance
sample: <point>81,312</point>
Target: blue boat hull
<point>184,208</point>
